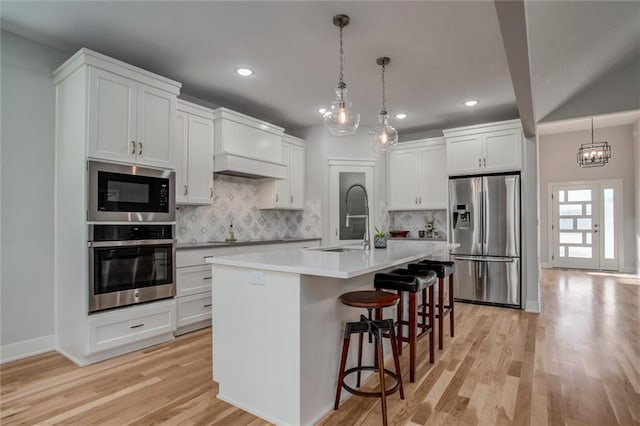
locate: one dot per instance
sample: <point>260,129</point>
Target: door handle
<point>484,162</point>
<point>139,148</point>
<point>291,199</point>
<point>210,192</point>
<point>479,162</point>
<point>186,190</point>
<point>276,198</point>
<point>133,147</point>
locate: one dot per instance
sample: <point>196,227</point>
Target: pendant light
<point>383,137</point>
<point>594,154</point>
<point>340,118</point>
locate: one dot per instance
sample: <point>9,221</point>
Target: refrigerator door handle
<point>485,259</point>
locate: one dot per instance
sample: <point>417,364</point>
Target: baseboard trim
<point>546,265</point>
<point>26,348</point>
<point>628,269</point>
<point>531,306</point>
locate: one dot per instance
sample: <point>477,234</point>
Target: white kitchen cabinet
<point>130,121</point>
<point>194,154</point>
<point>114,329</point>
<point>286,194</point>
<point>418,176</point>
<point>487,148</point>
<point>112,111</point>
<point>194,279</point>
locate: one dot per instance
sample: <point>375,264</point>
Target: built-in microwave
<point>123,193</point>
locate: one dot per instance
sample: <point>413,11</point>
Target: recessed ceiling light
<point>401,116</point>
<point>322,110</point>
<point>471,102</point>
<point>244,72</point>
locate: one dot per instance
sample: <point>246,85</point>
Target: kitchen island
<point>278,324</point>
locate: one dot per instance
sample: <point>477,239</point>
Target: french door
<point>586,217</point>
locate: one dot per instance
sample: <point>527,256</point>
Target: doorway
<point>342,175</point>
<point>586,219</point>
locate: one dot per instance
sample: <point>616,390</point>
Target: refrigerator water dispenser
<point>462,217</point>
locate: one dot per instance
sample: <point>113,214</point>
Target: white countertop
<point>347,264</point>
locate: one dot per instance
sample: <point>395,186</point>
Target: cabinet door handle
<point>208,305</point>
<point>139,148</point>
<point>419,200</point>
<point>186,190</point>
<point>484,162</point>
<point>291,199</point>
<point>479,162</point>
<point>133,147</point>
<point>276,198</point>
<point>137,325</point>
<point>210,192</point>
<point>206,278</point>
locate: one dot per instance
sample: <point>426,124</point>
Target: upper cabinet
<point>418,176</point>
<point>194,154</point>
<point>130,112</point>
<point>288,193</point>
<point>487,148</point>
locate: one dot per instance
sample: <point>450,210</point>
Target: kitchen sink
<point>336,249</point>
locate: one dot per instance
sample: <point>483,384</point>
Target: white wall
<point>320,146</point>
<point>558,164</point>
<point>28,109</point>
<point>636,144</point>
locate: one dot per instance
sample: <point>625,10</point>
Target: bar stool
<point>370,300</point>
<point>443,269</point>
<point>412,282</point>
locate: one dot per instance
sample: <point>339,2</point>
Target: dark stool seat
<point>443,269</point>
<point>411,282</point>
<point>377,328</point>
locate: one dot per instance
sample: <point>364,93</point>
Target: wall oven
<point>130,264</point>
<point>125,193</point>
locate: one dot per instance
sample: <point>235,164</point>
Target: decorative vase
<point>380,242</point>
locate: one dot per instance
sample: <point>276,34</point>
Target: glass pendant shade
<point>340,118</point>
<point>383,137</point>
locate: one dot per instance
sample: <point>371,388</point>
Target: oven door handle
<point>130,243</point>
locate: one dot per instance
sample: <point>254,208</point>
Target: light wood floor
<point>576,363</point>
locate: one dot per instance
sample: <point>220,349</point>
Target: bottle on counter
<point>232,235</point>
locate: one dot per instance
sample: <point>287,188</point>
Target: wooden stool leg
<point>396,358</point>
<point>383,397</point>
<point>432,317</point>
<point>359,358</point>
<point>413,314</point>
<point>399,317</point>
<point>343,362</point>
<point>451,304</point>
<point>440,312</point>
<point>424,306</point>
<point>378,317</point>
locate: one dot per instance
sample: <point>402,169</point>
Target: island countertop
<point>347,264</point>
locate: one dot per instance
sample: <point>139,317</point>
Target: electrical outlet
<point>256,278</point>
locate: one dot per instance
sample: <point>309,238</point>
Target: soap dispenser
<point>232,235</point>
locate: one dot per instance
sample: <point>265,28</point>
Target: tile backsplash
<point>415,221</point>
<point>236,200</point>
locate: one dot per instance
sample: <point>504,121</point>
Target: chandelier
<point>594,154</point>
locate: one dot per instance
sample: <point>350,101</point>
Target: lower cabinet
<point>194,309</point>
<point>194,279</point>
<point>125,326</point>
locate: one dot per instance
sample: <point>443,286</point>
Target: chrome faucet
<point>366,241</point>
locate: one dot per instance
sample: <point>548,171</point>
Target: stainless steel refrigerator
<point>485,221</point>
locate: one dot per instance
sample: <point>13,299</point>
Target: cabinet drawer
<point>193,309</point>
<point>125,326</point>
<point>193,257</point>
<point>193,280</point>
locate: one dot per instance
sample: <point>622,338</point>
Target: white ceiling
<point>573,43</point>
<point>442,52</point>
<point>599,122</point>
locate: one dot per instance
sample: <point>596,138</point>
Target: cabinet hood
<point>246,167</point>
